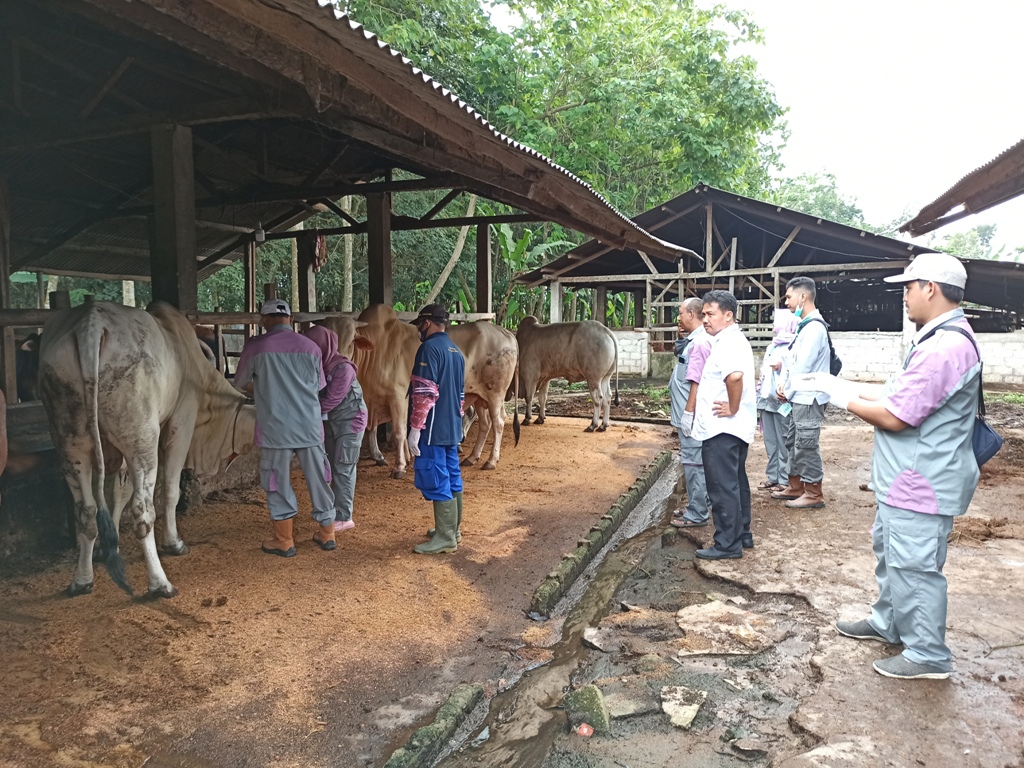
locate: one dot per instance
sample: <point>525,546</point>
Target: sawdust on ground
<point>264,661</point>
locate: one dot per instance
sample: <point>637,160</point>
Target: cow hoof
<point>602,428</point>
<point>589,429</point>
<point>74,590</point>
<point>397,474</point>
<point>380,462</point>
<point>170,549</point>
<point>164,592</point>
<point>468,462</point>
<point>540,421</point>
<point>489,465</point>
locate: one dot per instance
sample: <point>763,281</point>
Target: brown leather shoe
<point>794,490</point>
<point>812,498</point>
<point>281,543</point>
<point>324,538</point>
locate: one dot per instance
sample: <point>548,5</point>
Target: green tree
<point>819,195</point>
<point>975,243</point>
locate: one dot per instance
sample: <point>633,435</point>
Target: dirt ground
<point>783,688</point>
<point>323,659</point>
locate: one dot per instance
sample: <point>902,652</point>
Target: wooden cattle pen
<point>158,141</point>
<point>752,248</point>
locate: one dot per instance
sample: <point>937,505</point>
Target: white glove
<point>687,425</point>
<point>414,441</point>
<point>840,391</point>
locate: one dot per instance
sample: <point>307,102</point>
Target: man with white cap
<point>285,372</point>
<point>923,469</point>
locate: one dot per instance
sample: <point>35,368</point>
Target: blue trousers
<point>725,468</point>
<point>910,551</point>
<point>436,472</point>
<point>693,472</point>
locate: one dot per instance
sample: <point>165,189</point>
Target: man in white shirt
<point>724,421</point>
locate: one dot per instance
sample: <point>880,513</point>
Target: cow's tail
<point>616,343</point>
<point>89,336</point>
<point>515,404</point>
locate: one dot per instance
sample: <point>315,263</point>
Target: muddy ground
<point>322,659</point>
<point>755,637</point>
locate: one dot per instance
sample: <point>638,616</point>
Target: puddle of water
<point>523,721</point>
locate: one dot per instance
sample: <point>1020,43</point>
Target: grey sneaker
<point>859,630</point>
<point>903,668</point>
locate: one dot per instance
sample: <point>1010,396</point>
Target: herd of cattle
<point>131,393</point>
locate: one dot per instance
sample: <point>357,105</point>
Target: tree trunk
<point>456,253</point>
<point>295,268</point>
<point>346,285</point>
<point>571,317</point>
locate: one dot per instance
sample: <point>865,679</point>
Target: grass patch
<point>1013,398</point>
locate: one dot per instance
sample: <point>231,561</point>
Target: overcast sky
<point>898,98</point>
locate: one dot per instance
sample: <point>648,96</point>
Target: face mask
<point>798,313</point>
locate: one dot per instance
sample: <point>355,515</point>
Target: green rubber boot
<point>458,529</point>
<point>446,516</point>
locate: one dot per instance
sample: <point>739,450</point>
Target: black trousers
<point>725,469</point>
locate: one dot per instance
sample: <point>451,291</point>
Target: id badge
<point>785,409</point>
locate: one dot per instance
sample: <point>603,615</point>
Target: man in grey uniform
<point>923,468</point>
<point>694,337</point>
<point>809,353</point>
<point>286,373</point>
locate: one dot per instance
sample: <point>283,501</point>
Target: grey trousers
<point>910,551</point>
<point>775,426</point>
<point>343,449</point>
<point>275,479</point>
<point>803,441</point>
<point>696,485</point>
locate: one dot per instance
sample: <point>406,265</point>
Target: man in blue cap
<point>435,427</point>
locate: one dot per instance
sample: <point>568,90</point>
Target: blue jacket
<point>439,360</point>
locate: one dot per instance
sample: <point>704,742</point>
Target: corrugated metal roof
<point>995,182</point>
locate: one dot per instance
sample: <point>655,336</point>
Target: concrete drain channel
<point>622,633</point>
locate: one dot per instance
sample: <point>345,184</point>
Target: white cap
<point>275,307</point>
<point>934,267</point>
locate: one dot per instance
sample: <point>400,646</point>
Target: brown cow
<point>585,351</point>
<point>122,382</point>
<point>492,358</point>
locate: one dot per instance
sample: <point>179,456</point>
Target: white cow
<point>492,358</point>
<point>124,385</point>
<point>585,351</point>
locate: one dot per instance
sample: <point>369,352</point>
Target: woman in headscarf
<point>775,414</point>
<point>344,415</point>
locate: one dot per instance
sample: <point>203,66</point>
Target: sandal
<point>764,485</point>
<point>682,522</point>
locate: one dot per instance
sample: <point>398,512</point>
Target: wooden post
<point>484,276</point>
<point>8,366</point>
<point>639,317</point>
<point>250,285</point>
<point>40,291</point>
<point>601,305</point>
<point>555,313</point>
<point>60,300</point>
<point>732,266</point>
<point>306,245</point>
<point>172,244</point>
<point>709,256</point>
<point>647,304</point>
<point>269,291</point>
<point>218,343</point>
<point>378,248</point>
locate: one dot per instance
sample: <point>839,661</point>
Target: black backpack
<point>835,363</point>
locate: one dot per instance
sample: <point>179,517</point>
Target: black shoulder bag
<point>985,441</point>
<point>835,364</point>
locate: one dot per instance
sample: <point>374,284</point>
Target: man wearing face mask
<point>808,353</point>
<point>435,427</point>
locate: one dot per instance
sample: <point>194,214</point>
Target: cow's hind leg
<point>78,473</point>
<point>120,494</point>
<point>542,400</point>
<point>371,440</point>
<point>595,396</point>
<point>606,396</point>
<point>483,427</point>
<point>172,459</point>
<point>400,409</point>
<point>143,473</point>
<point>493,416</point>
